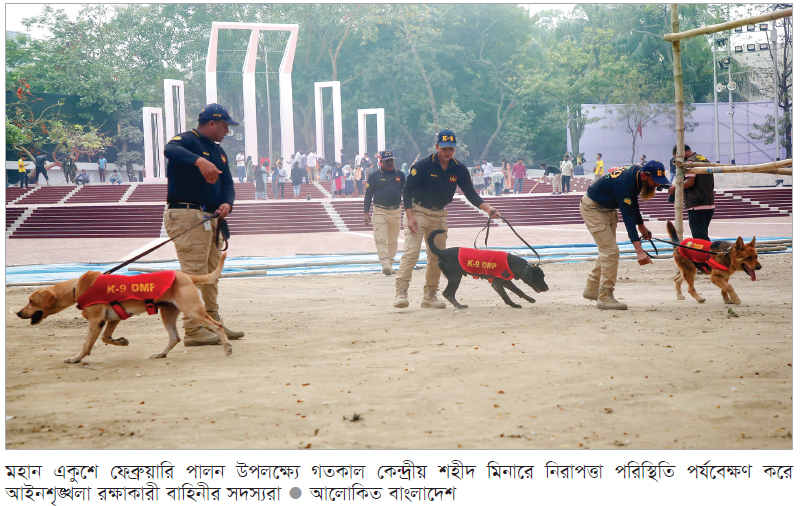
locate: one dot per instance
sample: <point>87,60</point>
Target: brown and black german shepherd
<point>733,257</point>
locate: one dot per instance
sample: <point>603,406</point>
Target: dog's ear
<point>739,243</point>
<point>753,242</point>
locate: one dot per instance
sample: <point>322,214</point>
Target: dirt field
<point>320,349</point>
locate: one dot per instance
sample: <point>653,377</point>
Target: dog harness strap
<point>485,262</point>
<point>117,307</point>
<point>150,306</point>
<point>713,263</point>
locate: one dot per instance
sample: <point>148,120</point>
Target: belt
<point>595,206</point>
<point>184,205</point>
<point>387,208</point>
<point>432,208</point>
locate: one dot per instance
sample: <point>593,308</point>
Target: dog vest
<point>700,254</point>
<point>485,262</point>
<point>113,288</point>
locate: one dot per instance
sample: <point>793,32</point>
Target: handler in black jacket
<point>430,186</point>
<point>198,184</point>
<point>385,186</point>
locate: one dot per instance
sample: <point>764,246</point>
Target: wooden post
<point>679,125</point>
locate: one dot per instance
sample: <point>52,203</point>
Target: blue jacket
<point>619,189</point>
<point>185,182</point>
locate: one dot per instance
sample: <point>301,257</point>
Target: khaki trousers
<point>386,229</point>
<point>602,224</point>
<point>556,183</point>
<point>196,252</point>
<point>427,222</point>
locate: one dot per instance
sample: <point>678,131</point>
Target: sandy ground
<point>320,349</point>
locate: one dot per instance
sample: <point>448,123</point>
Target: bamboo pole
<point>772,165</point>
<point>762,167</point>
<point>730,25</point>
<point>679,125</point>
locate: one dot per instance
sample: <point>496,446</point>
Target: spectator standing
<point>357,161</point>
<point>643,160</point>
<point>261,180</point>
<point>337,180</point>
<point>241,172</point>
<point>497,181</point>
<point>70,169</point>
<point>303,162</point>
<point>578,170</point>
<point>477,179</point>
<point>506,175</point>
<point>366,163</point>
<point>115,177</point>
<point>101,169</point>
<point>556,173</point>
<point>385,187</point>
<point>404,169</point>
<point>348,182</point>
<point>359,179</point>
<point>698,195</point>
<point>275,175</point>
<point>488,170</point>
<point>297,179</point>
<point>313,166</point>
<point>282,175</point>
<point>23,172</point>
<point>672,167</point>
<point>519,172</point>
<point>598,167</point>
<point>566,173</point>
<point>248,169</point>
<point>41,169</point>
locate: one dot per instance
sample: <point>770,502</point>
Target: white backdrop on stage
<point>608,136</point>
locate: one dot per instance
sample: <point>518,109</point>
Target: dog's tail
<point>673,234</point>
<point>211,276</point>
<point>431,246</point>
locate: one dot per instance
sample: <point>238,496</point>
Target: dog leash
<point>220,224</point>
<point>486,239</point>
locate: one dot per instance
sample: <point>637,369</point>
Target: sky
<point>15,12</point>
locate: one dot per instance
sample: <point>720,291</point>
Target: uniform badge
<point>413,172</point>
<point>453,179</point>
<point>627,201</point>
<point>398,179</point>
<point>176,138</point>
<point>224,159</point>
<point>367,185</point>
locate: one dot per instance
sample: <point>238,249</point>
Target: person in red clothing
<point>518,172</point>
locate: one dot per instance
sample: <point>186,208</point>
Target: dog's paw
<point>515,306</point>
<point>701,300</point>
<point>119,341</point>
<point>228,349</point>
<point>461,306</point>
<point>72,360</point>
<point>681,297</point>
<point>158,355</point>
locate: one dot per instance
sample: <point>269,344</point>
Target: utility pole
<point>774,37</point>
<point>730,93</point>
<point>716,102</point>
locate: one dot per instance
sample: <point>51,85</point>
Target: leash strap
<point>651,244</point>
<point>486,239</point>
<point>140,255</point>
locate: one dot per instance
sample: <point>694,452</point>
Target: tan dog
<point>726,259</point>
<point>181,296</point>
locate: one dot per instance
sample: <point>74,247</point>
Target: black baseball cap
<point>216,112</point>
<point>446,139</point>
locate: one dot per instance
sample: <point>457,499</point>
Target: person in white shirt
<point>241,172</point>
<point>566,173</point>
<point>488,170</point>
<point>282,175</point>
<point>312,165</point>
<point>358,160</point>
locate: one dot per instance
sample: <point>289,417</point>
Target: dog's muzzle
<point>35,318</point>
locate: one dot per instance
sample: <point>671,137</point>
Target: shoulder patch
<point>413,172</point>
<point>627,201</point>
<point>176,138</point>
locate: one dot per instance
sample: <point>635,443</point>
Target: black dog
<point>498,266</point>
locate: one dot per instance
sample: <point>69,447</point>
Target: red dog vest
<point>114,288</point>
<point>700,253</point>
<point>486,262</point>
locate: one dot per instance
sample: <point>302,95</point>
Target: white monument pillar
<point>170,113</point>
<point>362,129</point>
<point>155,167</point>
<point>249,83</point>
<point>337,118</point>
